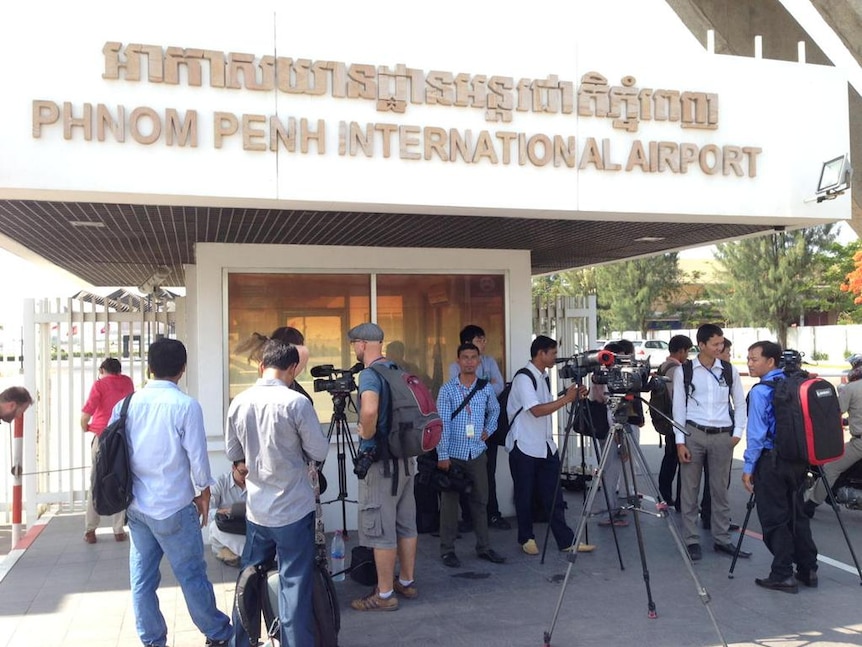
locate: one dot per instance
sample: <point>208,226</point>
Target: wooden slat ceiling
<point>136,239</point>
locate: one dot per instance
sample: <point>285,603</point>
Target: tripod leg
<point>572,556</point>
<point>635,501</point>
<point>748,508</point>
<point>680,546</point>
<point>831,496</point>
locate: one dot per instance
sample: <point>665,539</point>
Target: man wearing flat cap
<point>387,517</point>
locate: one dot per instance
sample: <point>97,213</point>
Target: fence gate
<point>65,341</point>
<point>572,322</point>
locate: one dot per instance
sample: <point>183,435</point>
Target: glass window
<point>421,315</point>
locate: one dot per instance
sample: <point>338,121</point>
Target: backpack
<point>807,419</point>
<point>111,476</point>
<point>503,422</point>
<point>257,592</point>
<point>415,425</point>
<point>660,402</point>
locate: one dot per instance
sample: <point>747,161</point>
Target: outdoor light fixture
<point>834,178</point>
<point>154,283</point>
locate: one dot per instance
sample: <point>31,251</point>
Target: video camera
<point>791,360</point>
<point>337,381</point>
<point>579,366</point>
<point>625,374</point>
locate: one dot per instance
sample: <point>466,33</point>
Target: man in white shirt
<point>228,498</point>
<point>533,456</point>
<point>703,407</point>
<point>171,486</point>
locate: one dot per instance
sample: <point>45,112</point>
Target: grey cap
<point>366,332</point>
<point>855,359</point>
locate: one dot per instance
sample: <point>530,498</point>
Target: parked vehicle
<point>654,348</point>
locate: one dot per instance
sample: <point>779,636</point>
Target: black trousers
<point>786,530</point>
<point>669,464</point>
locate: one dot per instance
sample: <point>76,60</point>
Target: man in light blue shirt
<point>488,370</point>
<point>469,409</point>
<point>276,429</point>
<point>171,485</point>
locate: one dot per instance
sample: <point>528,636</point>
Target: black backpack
<point>257,592</point>
<point>661,401</point>
<point>807,419</point>
<point>503,422</point>
<point>111,476</point>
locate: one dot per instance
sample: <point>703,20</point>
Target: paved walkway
<point>62,592</point>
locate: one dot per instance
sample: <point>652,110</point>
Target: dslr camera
<point>365,458</point>
<point>337,381</point>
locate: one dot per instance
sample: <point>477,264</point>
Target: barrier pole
<point>17,459</point>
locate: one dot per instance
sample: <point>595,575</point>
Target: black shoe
<point>451,560</point>
<point>808,578</point>
<point>733,527</point>
<point>216,643</point>
<point>808,508</point>
<point>491,556</point>
<point>727,549</point>
<point>787,586</point>
<point>499,523</point>
<point>694,552</point>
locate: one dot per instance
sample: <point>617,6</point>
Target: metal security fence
<point>65,341</point>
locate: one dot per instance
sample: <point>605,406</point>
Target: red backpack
<point>415,426</point>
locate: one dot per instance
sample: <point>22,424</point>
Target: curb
<point>24,543</point>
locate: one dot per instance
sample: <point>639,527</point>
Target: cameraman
<point>776,482</point>
<point>387,521</point>
<point>533,456</point>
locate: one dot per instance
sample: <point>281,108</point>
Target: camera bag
<point>807,419</point>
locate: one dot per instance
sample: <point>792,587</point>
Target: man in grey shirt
<point>850,400</point>
<point>277,431</point>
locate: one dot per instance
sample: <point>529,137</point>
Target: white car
<point>656,349</point>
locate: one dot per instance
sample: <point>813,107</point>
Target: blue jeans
<point>179,538</point>
<point>293,544</point>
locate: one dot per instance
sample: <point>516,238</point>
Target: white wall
<point>208,297</point>
<point>797,114</point>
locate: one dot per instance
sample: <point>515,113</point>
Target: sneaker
<point>499,523</point>
<point>90,536</point>
<point>408,592</point>
<point>530,547</point>
<point>216,643</point>
<point>373,602</point>
<point>229,557</point>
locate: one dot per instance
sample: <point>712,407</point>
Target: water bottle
<point>336,557</point>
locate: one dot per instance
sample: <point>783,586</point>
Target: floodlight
<point>834,178</point>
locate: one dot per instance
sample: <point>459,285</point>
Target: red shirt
<point>106,392</point>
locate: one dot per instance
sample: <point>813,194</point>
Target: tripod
<point>580,415</point>
<point>343,442</point>
<point>830,497</point>
<point>621,434</point>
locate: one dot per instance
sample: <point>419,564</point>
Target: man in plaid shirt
<point>469,409</point>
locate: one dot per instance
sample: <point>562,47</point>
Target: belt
<point>710,430</point>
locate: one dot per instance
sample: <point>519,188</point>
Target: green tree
<point>627,292</point>
<point>766,281</point>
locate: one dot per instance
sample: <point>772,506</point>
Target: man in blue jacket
<point>776,482</point>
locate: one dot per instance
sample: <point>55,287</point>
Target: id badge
<point>470,430</point>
